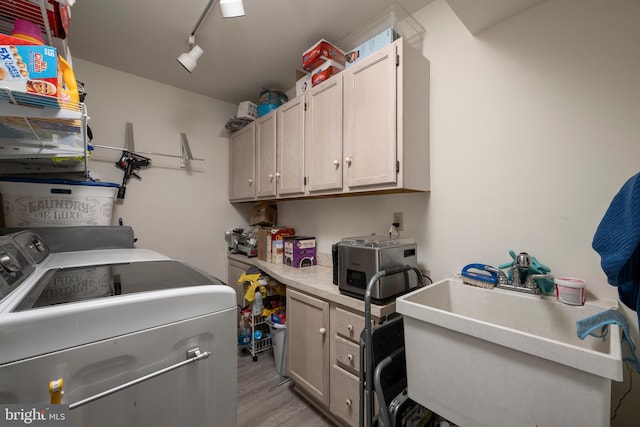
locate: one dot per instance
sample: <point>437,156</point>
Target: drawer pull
<point>323,331</point>
<point>350,357</point>
<point>348,402</point>
<point>350,328</point>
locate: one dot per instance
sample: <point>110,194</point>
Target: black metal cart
<point>382,363</point>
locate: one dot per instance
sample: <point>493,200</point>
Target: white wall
<point>534,128</point>
<point>180,212</point>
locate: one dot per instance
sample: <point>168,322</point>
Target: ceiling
<point>242,56</point>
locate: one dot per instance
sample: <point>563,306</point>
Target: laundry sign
<point>31,211</point>
<point>37,415</point>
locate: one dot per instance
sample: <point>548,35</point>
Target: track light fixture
<point>229,9</point>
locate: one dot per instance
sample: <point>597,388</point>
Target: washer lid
<point>75,284</point>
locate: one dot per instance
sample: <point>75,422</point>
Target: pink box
<point>313,57</point>
<point>300,251</point>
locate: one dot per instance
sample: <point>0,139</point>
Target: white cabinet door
<point>290,148</point>
<point>266,156</point>
<point>308,344</point>
<point>370,125</point>
<point>242,153</point>
<point>323,137</point>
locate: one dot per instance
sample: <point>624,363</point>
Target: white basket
<point>50,204</point>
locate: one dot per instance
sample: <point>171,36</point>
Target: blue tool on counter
<point>482,275</point>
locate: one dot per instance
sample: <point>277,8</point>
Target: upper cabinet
<point>364,130</point>
<point>266,156</point>
<point>386,121</point>
<point>242,160</point>
<point>323,137</point>
<point>290,148</point>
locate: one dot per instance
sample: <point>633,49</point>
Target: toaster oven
<point>360,258</point>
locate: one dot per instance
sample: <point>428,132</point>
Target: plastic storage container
<point>393,17</point>
<point>570,290</point>
<point>278,341</point>
<point>56,202</point>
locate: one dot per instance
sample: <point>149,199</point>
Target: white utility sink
<point>493,357</point>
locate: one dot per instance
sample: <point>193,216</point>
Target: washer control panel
<point>32,244</point>
<point>15,266</point>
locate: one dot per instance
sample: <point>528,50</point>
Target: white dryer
<point>138,339</point>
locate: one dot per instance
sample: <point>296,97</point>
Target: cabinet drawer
<point>347,355</point>
<point>345,395</point>
<point>349,325</point>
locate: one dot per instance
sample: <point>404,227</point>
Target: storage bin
<point>279,350</point>
<point>56,202</point>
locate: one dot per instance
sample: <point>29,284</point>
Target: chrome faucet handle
<point>502,278</point>
<point>523,260</point>
<point>531,279</point>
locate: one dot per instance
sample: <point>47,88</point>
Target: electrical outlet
<point>397,219</point>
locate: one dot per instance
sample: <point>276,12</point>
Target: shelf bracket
<point>129,145</point>
<point>185,151</point>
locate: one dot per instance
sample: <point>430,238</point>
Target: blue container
<point>266,108</point>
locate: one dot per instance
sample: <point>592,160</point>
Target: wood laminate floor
<point>264,403</point>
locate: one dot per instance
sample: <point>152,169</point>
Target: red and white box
<point>274,243</point>
<point>313,57</point>
<point>328,69</point>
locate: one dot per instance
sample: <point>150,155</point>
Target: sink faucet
<point>519,280</point>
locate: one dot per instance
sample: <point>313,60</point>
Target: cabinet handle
<point>277,174</point>
<point>323,331</point>
<point>348,402</point>
<point>350,357</point>
<point>336,163</point>
<point>350,328</point>
<point>348,160</point>
<point>271,176</point>
<point>250,181</point>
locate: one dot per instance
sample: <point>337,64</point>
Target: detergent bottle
<point>27,30</point>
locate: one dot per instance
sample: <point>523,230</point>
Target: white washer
<point>99,319</point>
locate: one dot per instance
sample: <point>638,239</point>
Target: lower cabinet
<point>235,270</point>
<point>323,351</point>
<point>308,344</point>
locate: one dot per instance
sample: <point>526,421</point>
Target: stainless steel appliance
<point>138,339</point>
<point>359,258</point>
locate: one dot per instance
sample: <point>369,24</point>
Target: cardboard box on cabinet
<point>264,213</point>
<point>303,82</point>
<point>370,46</point>
<point>313,57</point>
<point>327,69</point>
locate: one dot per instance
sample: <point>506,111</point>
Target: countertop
<point>316,280</point>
